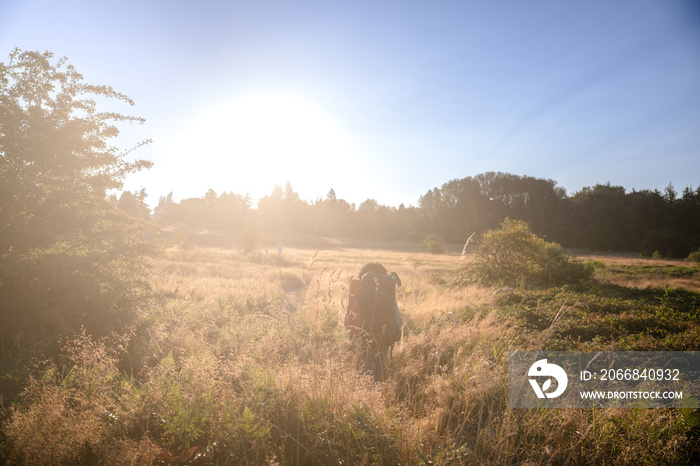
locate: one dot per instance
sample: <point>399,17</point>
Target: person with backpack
<point>372,317</point>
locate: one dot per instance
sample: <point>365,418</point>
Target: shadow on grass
<point>607,316</point>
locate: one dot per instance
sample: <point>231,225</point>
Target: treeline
<point>600,218</point>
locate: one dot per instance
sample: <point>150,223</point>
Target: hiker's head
<point>374,267</point>
<point>379,269</point>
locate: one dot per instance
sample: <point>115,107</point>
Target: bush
<point>434,244</point>
<point>694,257</point>
<point>514,256</point>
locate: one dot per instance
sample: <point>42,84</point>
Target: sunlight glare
<point>256,141</point>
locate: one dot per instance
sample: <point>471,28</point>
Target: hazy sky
<point>387,99</point>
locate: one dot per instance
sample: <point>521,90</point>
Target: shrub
<point>434,244</point>
<point>514,256</point>
<point>694,257</point>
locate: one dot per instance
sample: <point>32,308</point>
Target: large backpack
<point>372,309</point>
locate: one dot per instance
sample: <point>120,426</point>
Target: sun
<point>254,141</point>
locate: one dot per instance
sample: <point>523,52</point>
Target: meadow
<point>242,358</point>
<point>119,345</point>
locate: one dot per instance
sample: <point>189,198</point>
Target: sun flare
<point>253,142</point>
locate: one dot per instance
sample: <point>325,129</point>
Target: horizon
<point>679,190</point>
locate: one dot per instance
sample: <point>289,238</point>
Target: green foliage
<point>135,204</point>
<point>606,317</point>
<point>76,411</point>
<point>434,244</point>
<point>650,270</point>
<point>68,256</point>
<point>694,257</point>
<point>514,256</point>
<point>600,218</point>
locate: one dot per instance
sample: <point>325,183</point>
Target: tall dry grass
<point>243,360</point>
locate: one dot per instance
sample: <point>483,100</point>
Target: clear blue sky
<point>387,99</point>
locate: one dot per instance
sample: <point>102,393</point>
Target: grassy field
<point>241,358</point>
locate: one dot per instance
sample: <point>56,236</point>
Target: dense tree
<point>135,204</point>
<point>69,256</point>
<point>602,217</point>
<point>161,213</point>
<point>474,204</point>
<point>332,216</point>
<point>284,212</point>
<point>229,212</point>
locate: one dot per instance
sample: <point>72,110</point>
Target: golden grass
<point>650,280</point>
<point>244,355</point>
<point>692,283</point>
<point>325,370</point>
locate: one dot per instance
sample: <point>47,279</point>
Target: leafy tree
<point>270,209</point>
<point>68,256</point>
<point>375,221</point>
<point>478,203</point>
<point>164,214</point>
<point>135,204</point>
<point>601,218</point>
<point>332,216</point>
<point>284,212</point>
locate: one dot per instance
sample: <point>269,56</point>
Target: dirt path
<point>295,299</point>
